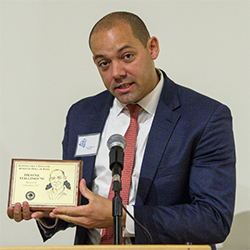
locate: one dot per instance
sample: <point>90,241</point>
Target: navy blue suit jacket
<point>186,188</point>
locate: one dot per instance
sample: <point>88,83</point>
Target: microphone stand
<point>116,165</point>
<point>117,211</point>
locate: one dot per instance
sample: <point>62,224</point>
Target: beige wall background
<point>46,66</point>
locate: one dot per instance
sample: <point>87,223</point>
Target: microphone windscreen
<point>116,140</point>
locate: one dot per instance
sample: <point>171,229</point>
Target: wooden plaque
<point>45,184</point>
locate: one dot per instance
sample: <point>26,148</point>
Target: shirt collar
<point>148,103</point>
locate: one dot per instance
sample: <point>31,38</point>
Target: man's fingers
<point>62,217</point>
<point>84,190</point>
<point>68,211</point>
<point>17,213</point>
<point>10,212</point>
<point>26,211</point>
<point>40,214</point>
<point>77,220</point>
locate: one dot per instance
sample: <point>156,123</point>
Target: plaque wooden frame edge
<point>44,207</point>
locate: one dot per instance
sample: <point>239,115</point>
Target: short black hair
<point>109,21</point>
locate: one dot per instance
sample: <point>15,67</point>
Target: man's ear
<point>153,47</point>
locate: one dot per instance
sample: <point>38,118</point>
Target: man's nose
<point>118,70</point>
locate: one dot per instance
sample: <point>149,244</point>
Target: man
<point>183,181</point>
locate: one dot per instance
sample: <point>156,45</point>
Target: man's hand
<point>96,214</point>
<point>18,213</point>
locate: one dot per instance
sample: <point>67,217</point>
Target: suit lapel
<point>162,127</point>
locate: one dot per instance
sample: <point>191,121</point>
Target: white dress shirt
<point>117,123</point>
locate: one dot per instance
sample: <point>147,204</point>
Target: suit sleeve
<point>207,218</point>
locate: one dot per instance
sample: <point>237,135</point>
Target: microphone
<point>116,144</point>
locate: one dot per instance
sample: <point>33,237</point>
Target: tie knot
<point>133,110</point>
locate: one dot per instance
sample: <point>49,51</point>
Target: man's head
<point>124,54</point>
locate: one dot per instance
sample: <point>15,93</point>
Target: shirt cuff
<point>129,230</point>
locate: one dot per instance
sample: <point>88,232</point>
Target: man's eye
<point>128,56</point>
<point>103,64</point>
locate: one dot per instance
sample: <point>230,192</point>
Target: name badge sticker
<point>87,145</point>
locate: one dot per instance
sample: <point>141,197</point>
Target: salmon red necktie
<point>129,155</point>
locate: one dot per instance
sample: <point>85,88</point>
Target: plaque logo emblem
<point>83,142</point>
<point>30,195</point>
